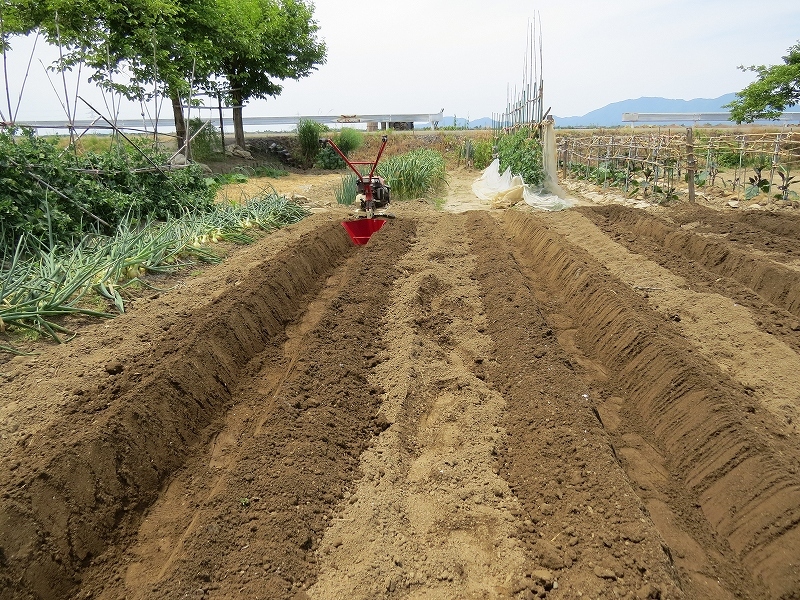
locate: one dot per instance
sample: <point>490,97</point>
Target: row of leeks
<point>414,174</point>
<point>37,287</point>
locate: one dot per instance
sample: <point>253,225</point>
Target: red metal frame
<point>366,184</point>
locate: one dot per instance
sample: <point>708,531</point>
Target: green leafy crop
<point>55,195</point>
<point>521,151</point>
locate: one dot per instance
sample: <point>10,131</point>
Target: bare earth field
<point>597,403</point>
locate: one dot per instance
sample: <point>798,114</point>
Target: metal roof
<point>710,117</point>
<point>247,121</point>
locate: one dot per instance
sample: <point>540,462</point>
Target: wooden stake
<point>691,164</point>
<point>221,127</point>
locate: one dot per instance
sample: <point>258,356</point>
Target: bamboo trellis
<point>525,105</point>
<point>657,162</point>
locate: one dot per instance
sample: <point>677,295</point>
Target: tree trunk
<point>180,122</point>
<point>238,126</point>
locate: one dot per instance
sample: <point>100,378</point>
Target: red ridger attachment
<point>373,191</point>
<point>361,230</point>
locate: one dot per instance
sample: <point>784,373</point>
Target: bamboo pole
<point>5,68</point>
<point>691,167</point>
<point>775,158</point>
<point>221,126</point>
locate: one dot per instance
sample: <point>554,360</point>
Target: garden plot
<point>472,405</point>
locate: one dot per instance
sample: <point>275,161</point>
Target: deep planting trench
<point>469,406</point>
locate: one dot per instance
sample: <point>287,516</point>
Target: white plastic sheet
<point>505,190</point>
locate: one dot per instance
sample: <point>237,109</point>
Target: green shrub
<point>54,196</point>
<point>521,151</point>
<point>328,159</point>
<point>308,133</point>
<point>347,140</point>
<point>481,154</point>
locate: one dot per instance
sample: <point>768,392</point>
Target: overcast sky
<point>425,55</point>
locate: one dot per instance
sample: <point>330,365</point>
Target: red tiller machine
<point>372,192</point>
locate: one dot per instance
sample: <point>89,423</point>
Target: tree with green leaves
<point>138,48</point>
<point>776,89</point>
<point>141,48</point>
<point>261,43</point>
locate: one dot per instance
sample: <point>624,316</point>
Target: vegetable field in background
<point>656,163</point>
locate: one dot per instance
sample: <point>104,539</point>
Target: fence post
<point>691,165</point>
<point>775,158</point>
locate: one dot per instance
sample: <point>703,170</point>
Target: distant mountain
<point>611,114</point>
<point>453,121</point>
<point>485,122</point>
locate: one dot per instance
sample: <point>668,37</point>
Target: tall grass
<point>308,133</point>
<point>347,190</point>
<point>348,140</point>
<point>414,174</point>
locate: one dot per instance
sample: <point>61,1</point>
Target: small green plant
<point>226,178</point>
<point>260,171</point>
<point>347,190</point>
<point>786,181</point>
<point>700,177</point>
<point>757,183</point>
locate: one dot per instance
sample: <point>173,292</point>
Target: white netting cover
<point>504,190</point>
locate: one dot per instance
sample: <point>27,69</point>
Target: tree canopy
<point>140,48</point>
<point>776,89</point>
<point>278,33</point>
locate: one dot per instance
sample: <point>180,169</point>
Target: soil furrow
<point>581,522</point>
<point>430,518</point>
<point>79,483</point>
<point>772,281</point>
<point>246,516</point>
<point>764,230</point>
<point>739,469</point>
<point>725,332</point>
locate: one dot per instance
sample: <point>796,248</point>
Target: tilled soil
<point>597,403</point>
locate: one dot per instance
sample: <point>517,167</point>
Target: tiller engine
<point>373,193</point>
